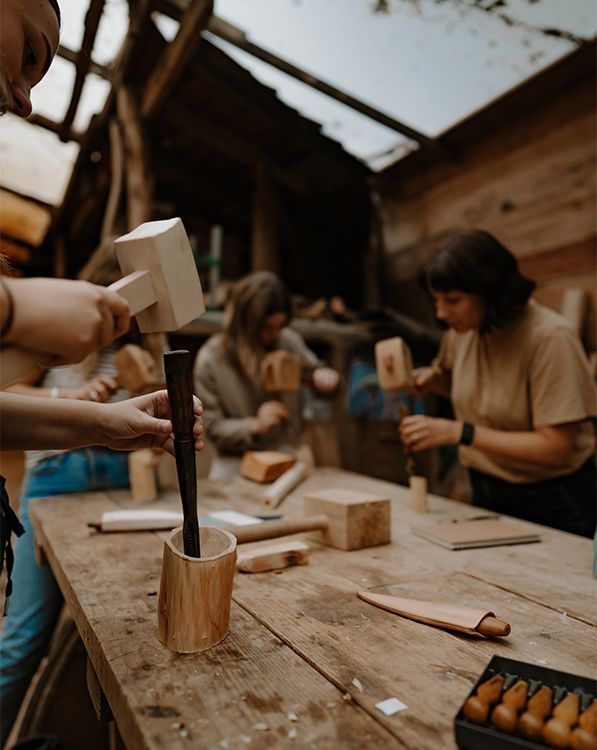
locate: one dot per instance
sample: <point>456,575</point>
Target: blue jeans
<point>36,601</point>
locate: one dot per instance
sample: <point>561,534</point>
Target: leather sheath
<point>451,616</point>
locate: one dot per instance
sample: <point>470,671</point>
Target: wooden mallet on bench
<point>337,517</point>
<point>161,285</point>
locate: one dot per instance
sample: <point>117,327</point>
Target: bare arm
<point>544,446</point>
<point>43,423</point>
<point>59,320</point>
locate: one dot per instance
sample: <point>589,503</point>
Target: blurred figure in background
<point>239,415</point>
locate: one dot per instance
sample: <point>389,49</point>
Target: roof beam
<point>83,62</point>
<point>55,127</point>
<point>177,54</point>
<point>103,71</point>
<point>233,35</point>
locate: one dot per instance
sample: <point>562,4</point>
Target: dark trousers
<point>567,503</point>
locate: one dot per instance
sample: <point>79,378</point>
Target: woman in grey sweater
<point>238,413</point>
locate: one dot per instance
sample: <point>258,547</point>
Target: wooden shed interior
<point>190,629</point>
<point>187,131</point>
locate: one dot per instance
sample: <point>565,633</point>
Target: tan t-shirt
<point>532,374</point>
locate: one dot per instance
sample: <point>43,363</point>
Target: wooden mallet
<point>161,285</point>
<point>338,517</point>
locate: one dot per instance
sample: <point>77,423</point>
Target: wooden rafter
<point>103,71</point>
<point>138,173</point>
<point>237,37</point>
<point>215,65</point>
<point>169,68</point>
<point>83,62</point>
<point>55,127</point>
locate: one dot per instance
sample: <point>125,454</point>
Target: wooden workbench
<point>306,660</point>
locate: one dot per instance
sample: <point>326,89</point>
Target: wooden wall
<point>531,183</point>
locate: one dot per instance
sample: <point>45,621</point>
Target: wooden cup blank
<point>418,493</point>
<point>196,592</point>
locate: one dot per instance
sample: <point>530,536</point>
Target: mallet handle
<point>178,367</point>
<point>493,626</point>
<point>137,289</point>
<point>271,529</point>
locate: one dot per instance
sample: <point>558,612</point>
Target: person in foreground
<point>520,385</point>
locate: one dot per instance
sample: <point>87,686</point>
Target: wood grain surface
<point>306,660</point>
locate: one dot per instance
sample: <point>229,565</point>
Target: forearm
<point>24,389</point>
<point>544,447</point>
<point>29,422</point>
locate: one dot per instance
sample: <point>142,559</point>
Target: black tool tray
<point>470,736</point>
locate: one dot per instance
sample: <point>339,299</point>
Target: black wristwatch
<point>468,433</point>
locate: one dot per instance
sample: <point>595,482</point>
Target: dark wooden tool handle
<point>178,367</point>
<point>493,626</point>
<point>270,529</point>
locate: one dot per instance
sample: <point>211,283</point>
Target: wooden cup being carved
<point>196,592</point>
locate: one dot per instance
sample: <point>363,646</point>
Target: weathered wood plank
<point>429,669</point>
<point>177,54</point>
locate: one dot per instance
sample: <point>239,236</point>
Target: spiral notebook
<point>488,531</point>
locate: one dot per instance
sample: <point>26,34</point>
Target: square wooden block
<point>394,364</point>
<point>356,519</point>
<point>265,466</point>
<point>135,368</point>
<point>273,557</point>
<point>281,371</point>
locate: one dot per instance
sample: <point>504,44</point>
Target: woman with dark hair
<point>238,414</point>
<point>520,385</point>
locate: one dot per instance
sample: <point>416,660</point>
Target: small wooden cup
<point>418,493</point>
<point>196,592</point>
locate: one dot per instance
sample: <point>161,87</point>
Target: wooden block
<point>142,475</point>
<point>281,371</point>
<point>135,368</point>
<point>356,519</point>
<point>394,364</point>
<point>418,493</point>
<point>265,466</point>
<point>273,557</point>
<point>166,471</point>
